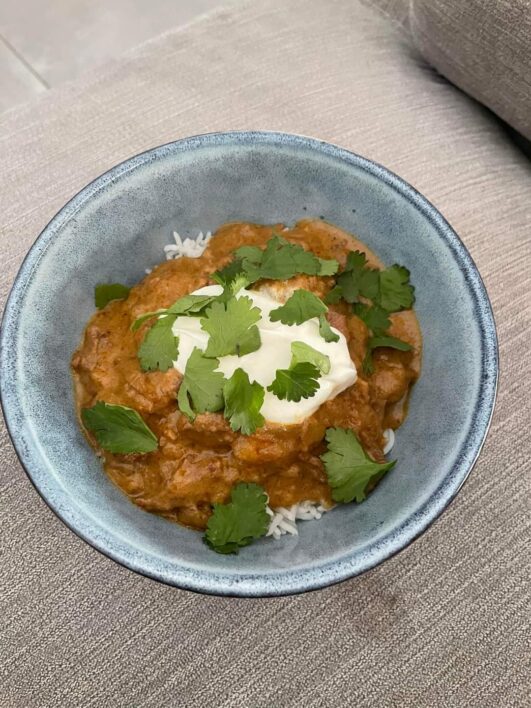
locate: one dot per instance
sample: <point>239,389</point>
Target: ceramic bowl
<point>117,226</point>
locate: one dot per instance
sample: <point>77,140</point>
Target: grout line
<point>28,66</point>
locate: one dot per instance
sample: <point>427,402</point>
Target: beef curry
<point>197,463</point>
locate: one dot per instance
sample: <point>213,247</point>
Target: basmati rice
<point>389,436</point>
<point>190,247</point>
<point>283,519</point>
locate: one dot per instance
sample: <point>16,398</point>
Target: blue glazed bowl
<point>117,226</point>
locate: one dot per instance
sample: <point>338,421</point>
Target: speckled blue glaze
<point>116,227</point>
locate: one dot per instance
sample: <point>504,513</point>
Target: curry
<point>197,463</point>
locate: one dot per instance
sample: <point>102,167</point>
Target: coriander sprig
<point>239,522</point>
<point>300,380</point>
<point>300,307</point>
<point>280,260</point>
<point>389,290</point>
<point>106,292</point>
<point>201,388</point>
<point>118,429</point>
<point>243,401</point>
<point>232,327</point>
<point>348,467</point>
<point>160,346</point>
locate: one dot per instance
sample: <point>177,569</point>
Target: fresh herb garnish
<point>348,467</point>
<point>333,296</point>
<point>160,346</point>
<point>232,327</point>
<point>326,331</point>
<point>388,341</point>
<point>118,429</point>
<point>299,381</point>
<point>239,522</point>
<point>187,305</point>
<point>377,321</point>
<point>300,351</point>
<point>357,279</point>
<point>104,293</point>
<point>243,401</point>
<point>375,317</point>
<point>382,341</point>
<point>389,288</point>
<point>302,306</point>
<point>298,308</point>
<point>227,275</point>
<point>280,260</point>
<point>395,291</point>
<point>201,389</point>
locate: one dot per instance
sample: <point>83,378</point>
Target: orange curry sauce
<point>198,463</point>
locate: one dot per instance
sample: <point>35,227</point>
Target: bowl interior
<point>118,226</point>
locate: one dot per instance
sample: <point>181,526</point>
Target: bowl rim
<point>285,581</point>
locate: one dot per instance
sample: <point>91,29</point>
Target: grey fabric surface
<point>444,623</point>
<point>482,46</point>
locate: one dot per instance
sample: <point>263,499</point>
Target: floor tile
<point>17,82</point>
<point>61,38</point>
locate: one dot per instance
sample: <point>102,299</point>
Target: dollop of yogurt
<point>275,353</point>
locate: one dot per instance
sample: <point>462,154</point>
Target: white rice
<point>190,247</point>
<point>389,437</point>
<point>283,519</point>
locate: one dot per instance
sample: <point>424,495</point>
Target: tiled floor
<point>45,42</point>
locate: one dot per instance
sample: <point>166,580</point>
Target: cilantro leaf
<point>118,429</point>
<point>299,381</point>
<point>146,316</point>
<point>357,279</point>
<point>232,278</point>
<point>348,287</point>
<point>333,296</point>
<point>251,254</point>
<point>375,317</point>
<point>298,308</point>
<point>356,261</point>
<point>191,304</point>
<point>304,352</point>
<point>348,467</point>
<point>239,522</point>
<point>382,341</point>
<point>249,342</point>
<point>201,389</point>
<point>239,282</point>
<point>232,327</point>
<point>104,293</point>
<point>250,259</point>
<point>183,401</point>
<point>389,341</point>
<point>281,260</point>
<point>160,346</point>
<point>243,401</point>
<point>224,276</point>
<point>187,305</point>
<point>326,331</point>
<point>327,267</point>
<point>395,291</point>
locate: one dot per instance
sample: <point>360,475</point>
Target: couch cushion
<point>482,46</point>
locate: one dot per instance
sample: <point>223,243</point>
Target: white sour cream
<point>275,353</point>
